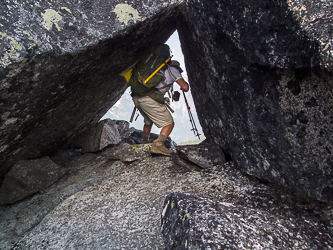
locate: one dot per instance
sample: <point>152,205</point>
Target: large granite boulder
<point>193,222</point>
<point>99,136</point>
<point>203,155</point>
<point>60,64</point>
<point>122,126</point>
<point>262,83</point>
<point>27,178</point>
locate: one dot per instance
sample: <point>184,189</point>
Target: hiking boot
<point>159,148</point>
<point>144,141</point>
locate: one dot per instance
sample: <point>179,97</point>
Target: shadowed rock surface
<point>83,172</point>
<point>27,178</point>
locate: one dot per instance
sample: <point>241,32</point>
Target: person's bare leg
<point>146,133</point>
<point>166,130</point>
<point>147,129</point>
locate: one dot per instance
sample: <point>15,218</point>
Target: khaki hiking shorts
<point>153,111</point>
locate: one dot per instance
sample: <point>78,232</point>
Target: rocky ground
<point>110,202</point>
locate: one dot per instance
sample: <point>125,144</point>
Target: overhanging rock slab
<point>60,66</point>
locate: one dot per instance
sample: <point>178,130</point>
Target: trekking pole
<point>133,113</point>
<point>194,127</point>
<point>168,106</point>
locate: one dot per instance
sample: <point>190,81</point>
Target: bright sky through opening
<point>122,110</point>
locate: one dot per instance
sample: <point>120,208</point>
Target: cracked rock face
<point>260,75</point>
<point>261,79</point>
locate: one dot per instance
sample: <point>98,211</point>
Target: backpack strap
<point>165,86</point>
<point>148,58</point>
<point>175,78</point>
<point>158,69</point>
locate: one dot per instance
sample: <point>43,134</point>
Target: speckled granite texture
<point>103,203</point>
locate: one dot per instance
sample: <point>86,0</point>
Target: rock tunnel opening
<point>184,132</point>
<point>248,64</point>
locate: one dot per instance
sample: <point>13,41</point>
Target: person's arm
<point>183,84</point>
<point>177,76</point>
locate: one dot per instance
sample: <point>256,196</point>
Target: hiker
<point>155,112</point>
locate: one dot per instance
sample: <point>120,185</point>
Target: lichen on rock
<point>125,13</point>
<point>50,18</point>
